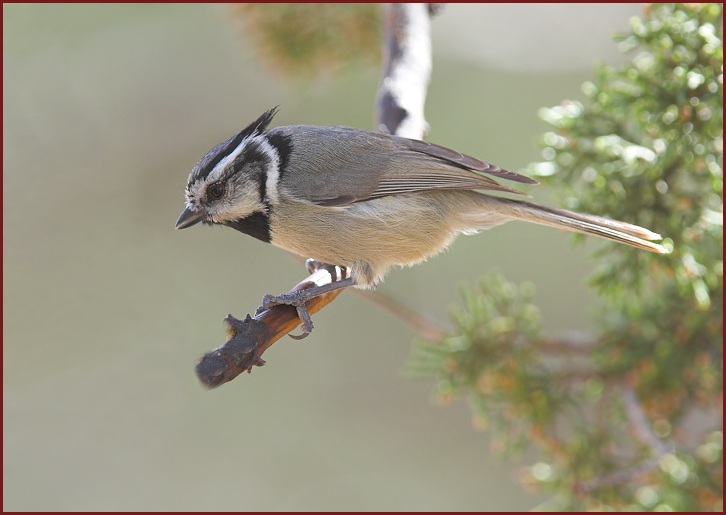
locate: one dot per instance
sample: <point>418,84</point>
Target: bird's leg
<point>300,297</point>
<point>336,272</point>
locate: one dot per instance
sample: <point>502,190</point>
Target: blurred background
<point>107,308</point>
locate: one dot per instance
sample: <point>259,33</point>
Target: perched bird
<point>362,200</point>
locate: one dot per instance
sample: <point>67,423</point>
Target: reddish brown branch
<point>250,337</point>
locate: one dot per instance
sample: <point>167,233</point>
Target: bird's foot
<point>298,300</point>
<point>308,292</point>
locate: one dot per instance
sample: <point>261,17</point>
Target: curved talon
<point>298,336</point>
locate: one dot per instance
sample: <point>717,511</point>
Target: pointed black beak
<point>190,217</point>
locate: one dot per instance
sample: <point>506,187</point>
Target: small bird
<point>362,200</point>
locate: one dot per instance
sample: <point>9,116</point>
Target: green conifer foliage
<point>630,419</point>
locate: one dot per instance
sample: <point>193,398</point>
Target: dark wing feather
<point>467,162</point>
<point>415,171</point>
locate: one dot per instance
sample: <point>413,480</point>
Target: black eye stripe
<point>216,155</point>
<point>219,152</point>
<point>251,154</point>
<point>283,144</point>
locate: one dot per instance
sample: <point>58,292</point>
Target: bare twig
<point>567,345</point>
<point>400,111</point>
<point>641,427</point>
<point>639,422</point>
<point>616,478</point>
<point>421,324</point>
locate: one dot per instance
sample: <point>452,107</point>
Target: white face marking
<point>242,195</point>
<point>195,193</point>
<point>273,171</point>
<point>222,166</point>
<point>239,203</point>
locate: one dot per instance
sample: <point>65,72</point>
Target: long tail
<point>562,219</point>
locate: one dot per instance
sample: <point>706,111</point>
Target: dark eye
<point>216,191</point>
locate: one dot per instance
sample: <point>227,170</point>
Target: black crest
<point>214,156</point>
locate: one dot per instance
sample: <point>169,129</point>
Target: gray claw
<point>300,297</point>
<point>291,299</point>
<point>307,322</point>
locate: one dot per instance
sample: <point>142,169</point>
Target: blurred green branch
<point>308,40</point>
<point>631,420</point>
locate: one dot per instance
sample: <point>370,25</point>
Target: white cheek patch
<point>273,171</point>
<point>239,207</point>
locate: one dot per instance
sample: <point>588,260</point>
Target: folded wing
<point>346,165</point>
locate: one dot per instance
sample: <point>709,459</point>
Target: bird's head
<point>229,185</point>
